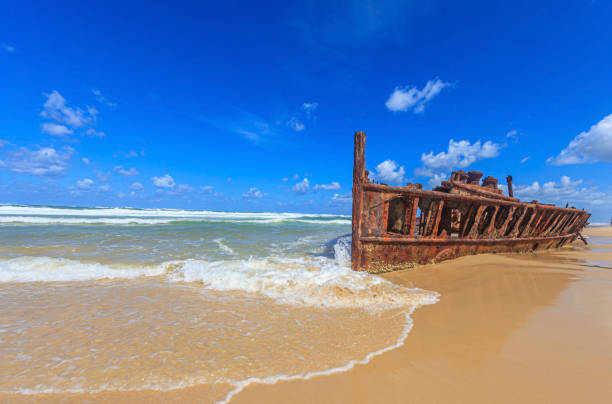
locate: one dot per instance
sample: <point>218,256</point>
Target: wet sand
<point>508,328</point>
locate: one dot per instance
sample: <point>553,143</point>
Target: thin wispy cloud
<point>126,172</point>
<point>410,98</point>
<point>7,48</point>
<point>102,99</point>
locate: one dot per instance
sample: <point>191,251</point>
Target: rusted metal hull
<point>400,227</point>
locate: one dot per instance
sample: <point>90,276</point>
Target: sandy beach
<point>507,328</point>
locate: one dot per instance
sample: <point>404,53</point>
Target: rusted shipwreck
<point>400,227</point>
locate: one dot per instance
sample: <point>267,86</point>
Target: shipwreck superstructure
<point>400,227</point>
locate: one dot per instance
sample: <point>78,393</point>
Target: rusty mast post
<point>358,180</point>
<point>510,190</point>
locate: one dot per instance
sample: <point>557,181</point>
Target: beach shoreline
<point>507,328</point>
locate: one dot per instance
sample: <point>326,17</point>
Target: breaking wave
<point>309,280</point>
<point>123,216</point>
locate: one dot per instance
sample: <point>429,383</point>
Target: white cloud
<point>85,183</point>
<point>104,188</point>
<point>588,147</point>
<point>44,162</point>
<point>95,133</point>
<point>296,125</point>
<point>566,190</point>
<point>342,198</point>
<point>389,172</point>
<point>68,119</point>
<point>127,173</point>
<point>296,177</point>
<point>460,154</point>
<point>55,129</point>
<point>3,143</point>
<point>512,134</point>
<point>7,48</point>
<point>137,186</point>
<point>332,186</point>
<point>310,107</point>
<point>301,187</point>
<point>86,161</point>
<point>185,188</point>
<point>525,159</point>
<point>165,181</point>
<point>102,99</point>
<point>55,108</point>
<point>254,193</point>
<point>409,97</point>
<point>101,175</point>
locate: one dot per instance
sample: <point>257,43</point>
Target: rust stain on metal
<point>400,227</point>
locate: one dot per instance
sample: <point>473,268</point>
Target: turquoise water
<point>95,299</point>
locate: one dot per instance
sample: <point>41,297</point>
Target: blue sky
<point>253,105</point>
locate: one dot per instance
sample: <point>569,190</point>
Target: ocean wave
<point>308,280</point>
<point>36,211</point>
<point>160,220</point>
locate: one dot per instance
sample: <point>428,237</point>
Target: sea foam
<point>302,280</point>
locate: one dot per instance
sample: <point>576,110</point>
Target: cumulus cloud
<point>566,190</point>
<point>86,161</point>
<point>254,193</point>
<point>588,147</point>
<point>3,143</point>
<point>301,187</point>
<point>104,188</point>
<point>411,98</point>
<point>85,183</point>
<point>332,186</point>
<point>102,99</point>
<point>55,129</point>
<point>55,108</point>
<point>67,119</point>
<point>126,173</point>
<point>137,186</point>
<point>165,181</point>
<point>43,162</point>
<point>389,172</point>
<point>460,154</point>
<point>525,159</point>
<point>512,134</point>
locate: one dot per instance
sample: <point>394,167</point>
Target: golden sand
<point>508,328</point>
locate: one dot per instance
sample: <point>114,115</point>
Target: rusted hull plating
<point>400,227</point>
